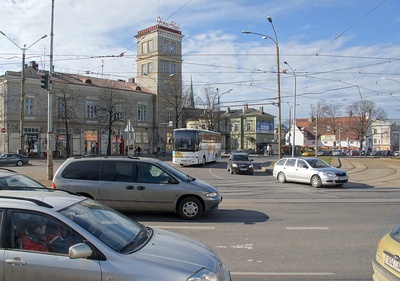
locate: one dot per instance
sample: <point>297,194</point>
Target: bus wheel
<point>190,208</point>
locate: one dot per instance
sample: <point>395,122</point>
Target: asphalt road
<point>266,230</point>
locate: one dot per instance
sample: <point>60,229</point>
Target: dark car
<point>324,153</point>
<point>10,179</point>
<point>13,159</point>
<point>240,163</point>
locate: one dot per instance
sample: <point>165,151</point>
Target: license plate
<point>392,263</point>
<point>243,169</point>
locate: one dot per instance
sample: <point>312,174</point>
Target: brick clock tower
<point>159,71</point>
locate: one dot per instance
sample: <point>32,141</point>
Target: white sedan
<point>310,170</point>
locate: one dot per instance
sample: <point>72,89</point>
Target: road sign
<point>3,130</point>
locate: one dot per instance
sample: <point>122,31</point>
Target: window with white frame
<point>144,47</point>
<point>29,106</point>
<point>248,126</point>
<point>173,47</point>
<point>166,67</point>
<point>166,45</point>
<point>90,109</point>
<point>142,112</point>
<point>61,106</point>
<point>173,68</point>
<point>144,69</point>
<point>151,46</point>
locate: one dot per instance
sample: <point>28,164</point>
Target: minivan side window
<point>120,171</point>
<point>82,170</point>
<point>152,174</point>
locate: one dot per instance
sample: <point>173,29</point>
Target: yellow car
<point>386,264</point>
<point>308,153</point>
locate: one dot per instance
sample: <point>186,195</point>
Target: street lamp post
<point>21,111</point>
<point>219,106</point>
<point>278,80</point>
<point>294,109</point>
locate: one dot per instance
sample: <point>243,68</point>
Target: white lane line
<point>308,228</point>
<point>283,273</point>
<point>184,227</point>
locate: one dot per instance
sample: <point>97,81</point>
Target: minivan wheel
<point>281,177</point>
<point>190,208</point>
<point>316,181</point>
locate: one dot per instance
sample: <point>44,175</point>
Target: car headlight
<point>234,165</point>
<point>329,174</point>
<point>205,275</point>
<point>251,166</point>
<point>212,194</point>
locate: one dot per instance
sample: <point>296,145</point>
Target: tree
<point>362,114</point>
<point>175,98</point>
<point>329,113</point>
<point>66,110</point>
<point>111,108</point>
<point>207,101</point>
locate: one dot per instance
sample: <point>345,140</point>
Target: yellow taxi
<point>386,263</point>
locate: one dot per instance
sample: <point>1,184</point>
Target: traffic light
<point>44,81</point>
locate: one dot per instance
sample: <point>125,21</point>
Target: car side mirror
<point>79,251</point>
<point>172,181</point>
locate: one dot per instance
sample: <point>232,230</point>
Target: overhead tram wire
<point>340,34</point>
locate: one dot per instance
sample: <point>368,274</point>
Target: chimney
<point>228,110</point>
<point>131,80</point>
<point>34,65</point>
<point>261,109</point>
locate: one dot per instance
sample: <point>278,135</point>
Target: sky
<point>338,50</point>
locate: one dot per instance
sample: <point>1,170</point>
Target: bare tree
<point>207,102</point>
<point>66,110</point>
<point>329,113</point>
<point>363,113</point>
<point>176,98</point>
<point>110,109</point>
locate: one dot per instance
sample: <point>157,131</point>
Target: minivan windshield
<point>114,229</point>
<point>176,172</point>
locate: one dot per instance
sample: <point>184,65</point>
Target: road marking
<point>283,273</point>
<point>308,228</point>
<point>184,227</point>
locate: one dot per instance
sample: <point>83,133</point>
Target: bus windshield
<point>185,141</point>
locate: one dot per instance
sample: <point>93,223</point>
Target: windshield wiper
<point>140,239</point>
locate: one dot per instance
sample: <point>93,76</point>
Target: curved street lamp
<point>21,111</point>
<point>294,109</point>
<point>279,80</point>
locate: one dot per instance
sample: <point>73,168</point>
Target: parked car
<point>240,163</point>
<point>10,179</point>
<point>13,159</point>
<point>354,152</point>
<point>386,263</point>
<point>144,184</point>
<point>310,170</point>
<point>308,153</point>
<point>324,153</point>
<point>81,239</point>
<point>339,153</point>
<point>396,153</point>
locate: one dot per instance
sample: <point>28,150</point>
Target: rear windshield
<point>395,234</point>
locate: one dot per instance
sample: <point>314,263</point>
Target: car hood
<point>178,251</point>
<point>241,162</point>
<point>330,169</point>
<point>206,187</point>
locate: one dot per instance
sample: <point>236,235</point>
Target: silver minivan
<point>53,235</point>
<point>144,184</point>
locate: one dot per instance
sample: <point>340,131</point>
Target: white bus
<point>194,146</point>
